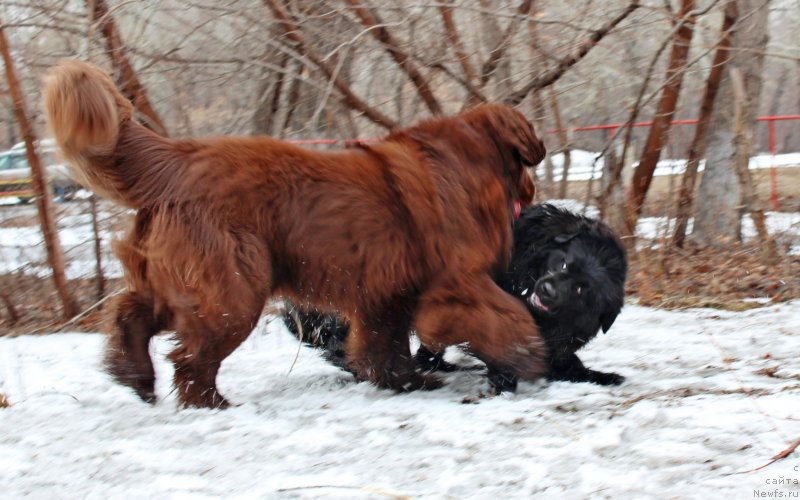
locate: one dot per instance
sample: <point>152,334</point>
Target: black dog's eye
<point>563,265</point>
<point>579,290</point>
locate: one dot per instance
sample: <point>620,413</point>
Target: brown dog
<point>402,234</point>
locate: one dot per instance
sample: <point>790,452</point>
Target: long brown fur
<point>398,235</point>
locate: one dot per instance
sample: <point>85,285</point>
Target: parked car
<point>15,173</point>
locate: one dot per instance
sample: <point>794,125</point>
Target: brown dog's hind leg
<point>378,351</point>
<point>204,341</point>
<point>497,327</point>
<point>128,352</point>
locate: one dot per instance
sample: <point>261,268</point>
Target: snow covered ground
<point>708,394</point>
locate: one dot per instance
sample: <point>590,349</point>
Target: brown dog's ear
<point>514,130</point>
<point>531,148</point>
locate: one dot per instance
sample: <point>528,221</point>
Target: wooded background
<point>344,69</point>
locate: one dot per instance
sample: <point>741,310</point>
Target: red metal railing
<point>773,173</point>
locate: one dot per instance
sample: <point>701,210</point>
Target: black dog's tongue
<point>537,302</point>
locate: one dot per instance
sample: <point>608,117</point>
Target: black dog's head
<point>570,270</point>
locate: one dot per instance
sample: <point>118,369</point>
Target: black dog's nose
<point>548,290</point>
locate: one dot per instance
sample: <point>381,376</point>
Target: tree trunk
<point>700,142</point>
<point>659,131</point>
<point>545,187</point>
<point>270,90</point>
<point>13,314</point>
<point>497,62</point>
<point>55,256</point>
<point>563,139</point>
<point>718,211</point>
<point>612,206</point>
<point>743,133</point>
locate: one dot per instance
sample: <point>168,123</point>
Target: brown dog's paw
<point>208,399</point>
<point>414,381</point>
<point>125,373</point>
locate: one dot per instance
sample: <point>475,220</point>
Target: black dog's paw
<point>603,378</point>
<point>429,361</point>
<point>501,381</point>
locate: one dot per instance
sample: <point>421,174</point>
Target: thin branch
<point>780,456</point>
<point>446,10</point>
<point>476,95</point>
<point>129,82</point>
<point>489,67</point>
<point>554,74</point>
<point>370,20</point>
<point>292,32</point>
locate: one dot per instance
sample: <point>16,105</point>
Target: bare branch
<point>130,84</point>
<point>453,36</point>
<point>370,20</point>
<point>489,67</point>
<point>554,74</point>
<point>292,32</point>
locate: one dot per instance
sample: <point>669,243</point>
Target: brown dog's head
<point>514,136</point>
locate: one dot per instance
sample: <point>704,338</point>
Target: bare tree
<point>697,150</point>
<point>719,208</point>
<point>742,139</point>
<point>55,255</point>
<point>659,131</point>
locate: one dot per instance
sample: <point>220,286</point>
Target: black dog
<point>570,270</point>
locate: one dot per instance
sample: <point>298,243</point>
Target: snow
<point>698,405</point>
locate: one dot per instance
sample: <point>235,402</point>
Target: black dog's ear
<point>607,319</point>
<point>565,238</point>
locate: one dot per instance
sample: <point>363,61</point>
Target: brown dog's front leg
<point>498,329</point>
<point>378,351</point>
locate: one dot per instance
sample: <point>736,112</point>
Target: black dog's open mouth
<point>536,302</point>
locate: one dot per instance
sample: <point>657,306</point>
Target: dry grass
<point>4,403</point>
<point>735,278</point>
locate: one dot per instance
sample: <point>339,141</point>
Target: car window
<point>20,161</point>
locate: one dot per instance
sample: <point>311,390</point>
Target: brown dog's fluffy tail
<point>85,112</point>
